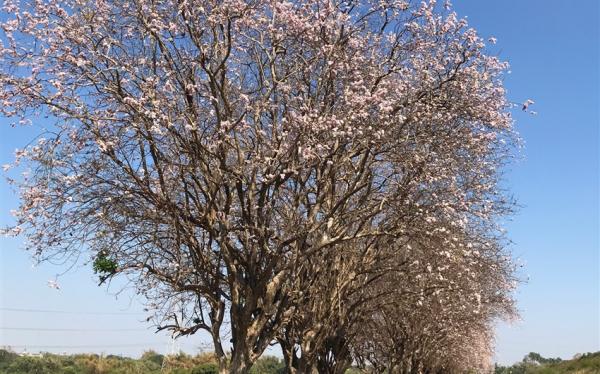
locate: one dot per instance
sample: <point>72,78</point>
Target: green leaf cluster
<point>104,266</point>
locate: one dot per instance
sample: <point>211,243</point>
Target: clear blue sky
<point>553,48</point>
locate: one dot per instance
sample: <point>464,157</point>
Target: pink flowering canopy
<point>210,150</point>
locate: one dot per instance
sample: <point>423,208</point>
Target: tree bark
<point>240,363</point>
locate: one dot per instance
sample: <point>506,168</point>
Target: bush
<point>268,365</point>
<point>6,358</point>
<point>209,368</point>
<point>33,365</point>
<point>152,356</point>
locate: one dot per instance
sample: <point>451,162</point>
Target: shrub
<point>152,356</point>
<point>209,368</point>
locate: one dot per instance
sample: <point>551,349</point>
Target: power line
<point>76,330</point>
<point>84,346</point>
<point>65,311</point>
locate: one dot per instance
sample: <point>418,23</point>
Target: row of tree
<point>320,174</point>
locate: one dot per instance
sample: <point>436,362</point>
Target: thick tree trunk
<point>240,363</point>
<point>295,364</point>
<point>305,367</point>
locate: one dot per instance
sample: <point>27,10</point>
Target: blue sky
<point>553,49</point>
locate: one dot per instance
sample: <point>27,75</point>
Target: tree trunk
<point>289,356</point>
<point>217,314</point>
<point>305,367</point>
<point>223,364</point>
<point>240,362</point>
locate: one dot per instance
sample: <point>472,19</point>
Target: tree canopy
<point>321,174</point>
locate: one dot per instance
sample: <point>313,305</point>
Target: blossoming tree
<point>223,154</point>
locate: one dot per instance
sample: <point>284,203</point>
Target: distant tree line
<point>149,363</point>
<point>534,363</point>
<point>152,362</point>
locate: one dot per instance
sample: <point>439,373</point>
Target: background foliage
<point>534,363</point>
<point>150,363</point>
<point>205,363</point>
